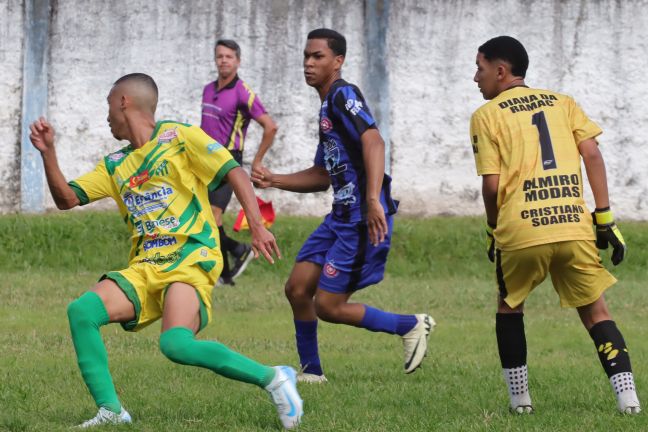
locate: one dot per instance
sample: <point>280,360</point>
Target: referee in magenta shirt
<point>228,104</point>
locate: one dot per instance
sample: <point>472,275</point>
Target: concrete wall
<point>594,50</point>
<point>11,50</point>
<point>173,42</point>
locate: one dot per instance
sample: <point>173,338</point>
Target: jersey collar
<point>337,83</point>
<point>228,86</point>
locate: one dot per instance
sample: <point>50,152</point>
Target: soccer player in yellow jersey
<point>528,145</point>
<point>160,183</point>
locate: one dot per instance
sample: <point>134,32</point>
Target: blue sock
<point>306,336</point>
<point>386,322</point>
<point>405,324</point>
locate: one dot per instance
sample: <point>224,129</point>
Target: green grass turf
<point>436,265</point>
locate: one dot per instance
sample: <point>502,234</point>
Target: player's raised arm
<point>262,240</point>
<point>42,137</point>
<point>313,179</point>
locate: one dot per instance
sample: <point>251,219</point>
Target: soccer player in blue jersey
<point>349,249</point>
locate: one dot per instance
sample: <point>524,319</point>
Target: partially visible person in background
<point>228,104</point>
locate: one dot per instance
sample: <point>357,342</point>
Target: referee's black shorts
<point>222,195</point>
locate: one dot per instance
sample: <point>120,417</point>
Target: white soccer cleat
<point>522,409</point>
<point>105,417</point>
<point>631,410</point>
<point>283,391</point>
<point>415,342</point>
<point>626,395</point>
<point>517,382</point>
<point>311,378</point>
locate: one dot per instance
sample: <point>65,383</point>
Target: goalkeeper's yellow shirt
<point>530,138</point>
<point>161,191</point>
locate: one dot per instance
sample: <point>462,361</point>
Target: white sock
<point>517,381</point>
<point>624,390</point>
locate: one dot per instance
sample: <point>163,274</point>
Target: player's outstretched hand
<point>376,222</point>
<point>261,177</point>
<point>42,135</point>
<point>607,233</point>
<point>490,242</point>
<point>264,243</point>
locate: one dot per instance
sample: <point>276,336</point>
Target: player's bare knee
<point>593,313</point>
<point>503,307</point>
<point>327,311</point>
<point>591,318</point>
<point>295,292</point>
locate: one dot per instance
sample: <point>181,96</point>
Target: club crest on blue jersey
<point>325,125</point>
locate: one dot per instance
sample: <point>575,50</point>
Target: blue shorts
<point>349,261</point>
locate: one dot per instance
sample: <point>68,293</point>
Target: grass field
<point>436,265</point>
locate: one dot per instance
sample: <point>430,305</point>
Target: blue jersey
<point>344,117</point>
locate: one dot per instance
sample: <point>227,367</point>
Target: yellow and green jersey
<point>530,138</point>
<point>161,191</point>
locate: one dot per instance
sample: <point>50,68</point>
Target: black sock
<point>226,268</point>
<point>611,348</point>
<point>227,244</point>
<point>511,341</point>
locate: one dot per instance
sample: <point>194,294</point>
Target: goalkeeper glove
<point>490,241</point>
<point>607,232</point>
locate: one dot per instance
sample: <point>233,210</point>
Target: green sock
<point>180,346</point>
<point>86,315</point>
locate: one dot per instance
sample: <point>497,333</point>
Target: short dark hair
<point>231,44</point>
<point>335,40</point>
<point>507,49</point>
<point>140,78</point>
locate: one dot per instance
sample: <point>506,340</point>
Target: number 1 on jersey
<point>546,148</point>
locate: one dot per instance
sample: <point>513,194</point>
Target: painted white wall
<point>11,58</point>
<point>173,42</point>
<point>595,51</point>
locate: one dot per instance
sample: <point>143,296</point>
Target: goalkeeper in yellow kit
<point>528,145</point>
<point>160,182</point>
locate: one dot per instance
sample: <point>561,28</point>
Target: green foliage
<point>436,265</point>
